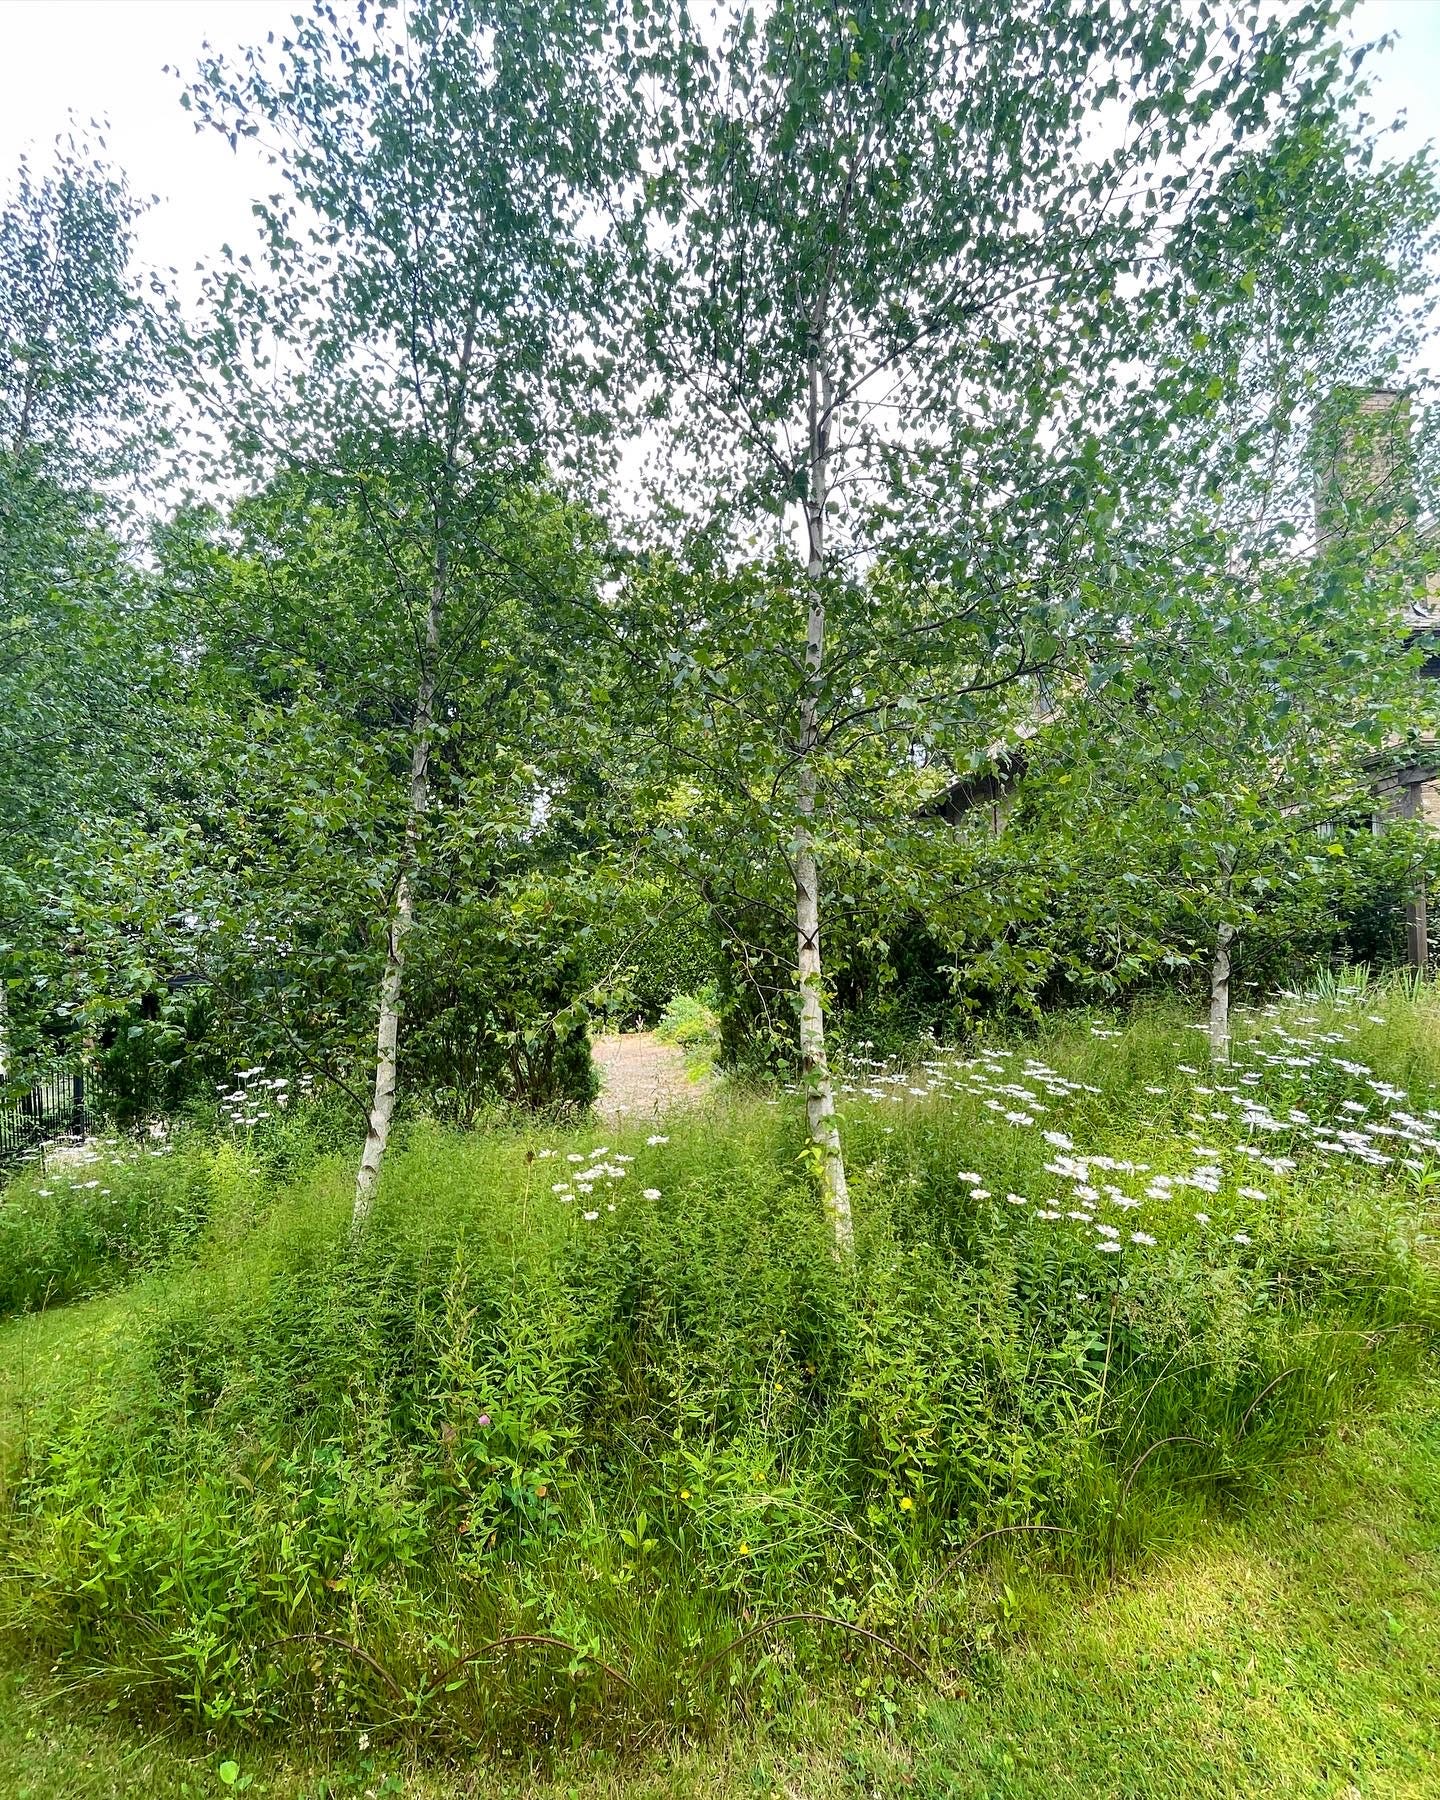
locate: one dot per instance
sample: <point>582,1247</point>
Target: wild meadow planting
<point>637,720</point>
<point>592,1435</point>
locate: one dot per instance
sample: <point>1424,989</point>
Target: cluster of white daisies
<point>257,1096</point>
<point>1376,1131</point>
<point>103,1153</point>
<point>597,1173</point>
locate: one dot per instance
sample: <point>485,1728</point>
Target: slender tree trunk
<point>1220,996</point>
<point>402,917</point>
<point>1417,922</point>
<point>4,1034</point>
<point>814,1062</point>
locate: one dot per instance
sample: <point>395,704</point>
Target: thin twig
<point>1158,1445</point>
<point>1245,1420</point>
<point>984,1537</point>
<point>321,1070</point>
<point>340,1643</point>
<point>529,1639</point>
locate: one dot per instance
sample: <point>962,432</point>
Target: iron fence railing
<point>58,1105</point>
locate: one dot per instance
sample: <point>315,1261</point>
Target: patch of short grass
<point>1294,1653</point>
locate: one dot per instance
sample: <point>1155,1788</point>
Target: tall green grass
<point>526,1466</point>
<point>92,1218</point>
<point>95,1219</point>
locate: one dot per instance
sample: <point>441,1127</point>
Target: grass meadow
<point>1113,1466</point>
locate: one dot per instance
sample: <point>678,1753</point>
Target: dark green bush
<point>494,1014</point>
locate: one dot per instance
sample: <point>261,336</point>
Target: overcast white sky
<point>103,59</point>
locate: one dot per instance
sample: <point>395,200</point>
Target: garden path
<point>640,1077</point>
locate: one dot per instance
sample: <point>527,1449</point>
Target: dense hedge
<point>496,1014</point>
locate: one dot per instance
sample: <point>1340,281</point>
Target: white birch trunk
<point>4,1034</point>
<point>1220,996</point>
<point>814,1062</point>
<point>402,917</point>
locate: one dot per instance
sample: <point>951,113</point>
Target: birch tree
<point>1216,801</point>
<point>79,378</point>
<point>413,337</point>
<point>296,650</point>
<point>906,270</point>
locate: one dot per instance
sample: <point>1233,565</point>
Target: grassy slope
<point>1293,1653</point>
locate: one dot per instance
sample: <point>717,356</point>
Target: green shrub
<point>690,1022</point>
<point>494,1015</point>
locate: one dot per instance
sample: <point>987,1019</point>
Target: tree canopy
<point>652,451</point>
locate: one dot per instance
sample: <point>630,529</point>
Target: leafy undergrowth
<point>593,1442</point>
<point>690,1023</point>
<point>97,1216</point>
<point>1293,1652</point>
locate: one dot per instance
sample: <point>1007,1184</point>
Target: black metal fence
<point>59,1105</point>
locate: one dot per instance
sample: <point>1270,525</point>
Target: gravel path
<point>641,1078</point>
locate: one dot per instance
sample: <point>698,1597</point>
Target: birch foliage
<point>414,337</point>
<point>916,284</point>
<point>81,690</point>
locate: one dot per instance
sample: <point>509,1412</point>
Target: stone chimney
<point>1364,466</point>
